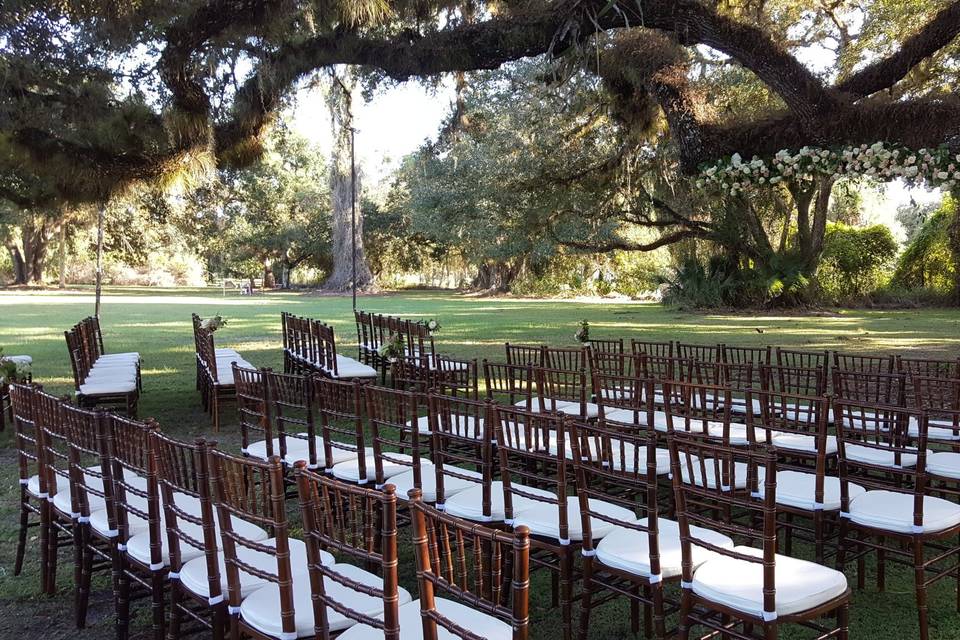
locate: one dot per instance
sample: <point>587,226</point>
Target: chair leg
<point>157,584</point>
<point>843,622</point>
<point>659,617</point>
<point>683,626</point>
<point>220,623</point>
<point>881,568</point>
<point>22,536</point>
<point>215,410</point>
<point>585,604</point>
<point>83,571</point>
<point>566,592</point>
<point>920,579</point>
<point>770,631</point>
<point>122,597</point>
<point>53,544</point>
<point>818,535</point>
<point>44,546</point>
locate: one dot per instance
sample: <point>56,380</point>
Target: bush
<point>927,263</point>
<point>855,262</point>
<point>724,282</point>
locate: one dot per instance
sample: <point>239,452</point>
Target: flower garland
<point>882,161</point>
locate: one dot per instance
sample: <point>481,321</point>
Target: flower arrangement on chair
<point>392,349</point>
<point>213,323</point>
<point>583,333</point>
<point>433,326</point>
<point>12,370</point>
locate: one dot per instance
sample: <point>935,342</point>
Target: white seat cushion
<point>564,406</point>
<point>627,416</point>
<point>107,388</point>
<point>625,458</point>
<point>893,511</point>
<point>945,464</point>
<point>468,504</point>
<point>226,353</point>
<point>800,442</point>
<point>350,368</point>
<point>629,549</point>
<point>936,430</point>
<point>711,468</point>
<point>428,477</point>
<point>261,609</point>
<point>798,489</point>
<point>130,356</point>
<point>225,370</point>
<point>543,518</point>
<point>880,457</point>
<point>411,623</point>
<point>349,470</point>
<point>738,584</point>
<point>298,449</point>
<point>738,433</point>
<point>193,574</point>
<point>138,546</point>
<point>21,360</point>
<point>460,425</point>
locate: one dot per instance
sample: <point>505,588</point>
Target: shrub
<point>724,282</point>
<point>855,262</point>
<point>927,263</point>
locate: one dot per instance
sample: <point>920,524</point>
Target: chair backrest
<point>393,416</point>
<point>183,471</point>
<point>326,347</point>
<point>709,504</point>
<point>648,348</point>
<point>449,565</point>
<point>867,386</point>
<point>456,376</point>
<point>747,355</point>
<point>253,407</point>
<point>617,465</point>
<point>130,446</point>
<point>698,408</point>
<point>355,522</point>
<point>562,385</point>
<point>661,368</point>
<point>524,354</point>
<point>863,364</point>
<point>55,444</point>
<point>75,351</point>
<point>803,381</point>
<point>624,364</point>
<point>702,352</point>
<point>208,352</point>
<point>806,416</point>
<point>362,321</point>
<point>28,438</point>
<point>533,453</point>
<point>614,391</point>
<point>412,374</point>
<point>608,345</point>
<point>421,341</point>
<point>462,439</point>
<point>340,410</point>
<point>566,358</point>
<point>253,491</point>
<point>881,446</point>
<point>292,408</point>
<point>509,383</point>
<point>91,469</point>
<point>804,360</point>
<point>930,368</point>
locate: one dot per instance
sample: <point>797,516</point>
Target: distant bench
<point>240,285</point>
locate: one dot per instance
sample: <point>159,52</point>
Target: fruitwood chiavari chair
<point>925,368</point>
<point>197,581</point>
<point>510,384</point>
<point>141,557</point>
<point>55,457</point>
<point>292,409</point>
<point>33,505</point>
<point>624,364</point>
<point>896,517</point>
<point>703,409</point>
<point>564,390</point>
<point>535,453</point>
<point>622,466</point>
<point>940,397</point>
<point>863,364</point>
<point>868,386</point>
<point>648,348</point>
<point>219,383</point>
<point>609,345</point>
<point>628,400</point>
<point>756,356</point>
<point>397,439</point>
<point>254,413</point>
<point>566,358</point>
<point>360,525</point>
<point>798,359</point>
<point>457,376</point>
<point>796,380</point>
<point>491,594</point>
<point>807,485</point>
<point>747,591</point>
<point>365,345</point>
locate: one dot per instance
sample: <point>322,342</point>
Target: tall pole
<point>353,211</point>
<point>100,213</point>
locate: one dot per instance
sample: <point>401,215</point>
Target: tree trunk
<point>19,267</point>
<point>496,276</point>
<point>347,238</point>
<point>269,280</point>
<point>99,287</point>
<point>34,239</point>
<point>63,255</point>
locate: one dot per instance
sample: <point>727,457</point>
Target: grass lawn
<point>156,322</point>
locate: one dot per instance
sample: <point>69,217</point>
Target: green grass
<point>156,322</point>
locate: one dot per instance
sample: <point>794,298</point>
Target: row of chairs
<point>210,529</point>
<point>310,346</point>
<point>374,330</point>
<point>100,378</point>
<point>214,370</point>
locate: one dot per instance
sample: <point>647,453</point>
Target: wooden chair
<point>524,354</point>
<point>895,516</point>
<point>868,386</point>
<point>735,591</point>
<point>292,409</point>
<point>702,352</point>
<point>940,397</point>
<point>566,358</point>
<point>796,380</point>
<point>508,383</point>
<point>534,454</point>
<point>33,505</point>
<point>564,390</point>
<point>610,345</point>
<point>926,368</point>
<point>444,547</point>
<point>756,356</point>
<point>623,466</point>
<point>614,363</point>
<point>629,400</point>
<point>862,363</point>
<point>102,381</point>
<point>360,525</point>
<point>398,441</point>
<point>218,371</point>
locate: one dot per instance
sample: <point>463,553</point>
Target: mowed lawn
<point>156,322</point>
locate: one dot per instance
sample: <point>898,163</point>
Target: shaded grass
<point>156,322</point>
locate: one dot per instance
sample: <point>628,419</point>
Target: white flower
<point>943,175</point>
<point>736,160</point>
<point>877,147</point>
<point>775,179</point>
<point>911,171</point>
<point>910,160</point>
<point>711,171</point>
